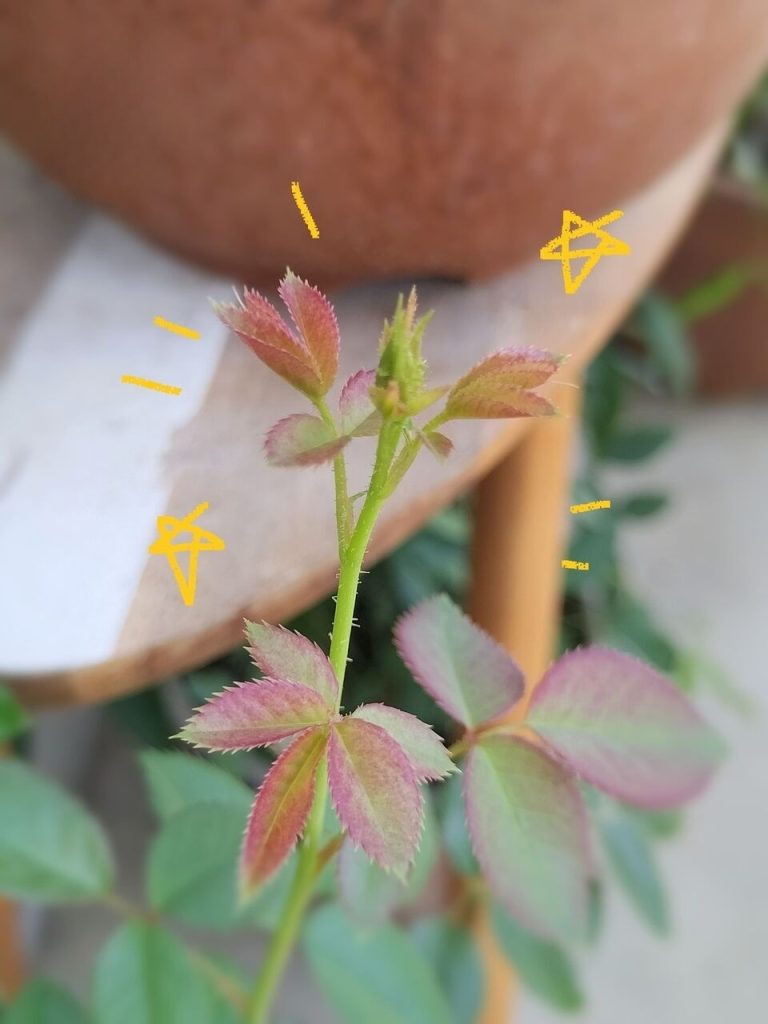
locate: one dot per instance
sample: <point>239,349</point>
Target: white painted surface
<point>66,421</point>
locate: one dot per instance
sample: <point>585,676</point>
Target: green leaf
<point>544,967</point>
<point>596,910</point>
<point>664,824</point>
<point>177,781</point>
<point>51,849</point>
<point>628,625</point>
<point>631,857</point>
<point>529,831</point>
<point>43,1002</point>
<point>145,976</point>
<point>716,292</point>
<point>604,398</point>
<point>659,324</point>
<point>145,717</point>
<point>453,956</point>
<point>192,870</point>
<point>640,505</point>
<point>374,976</point>
<point>449,799</point>
<point>638,443</point>
<point>13,718</point>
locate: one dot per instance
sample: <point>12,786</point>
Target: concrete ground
<point>702,566</point>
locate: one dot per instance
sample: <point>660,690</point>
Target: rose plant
<point>353,784</point>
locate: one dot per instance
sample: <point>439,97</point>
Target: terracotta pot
<point>430,139</point>
<point>730,230</point>
<point>438,139</point>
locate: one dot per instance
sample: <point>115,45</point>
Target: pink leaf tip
<point>251,715</point>
<point>499,386</point>
<point>307,359</point>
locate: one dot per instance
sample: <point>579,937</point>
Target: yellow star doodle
<point>559,248</point>
<point>168,528</point>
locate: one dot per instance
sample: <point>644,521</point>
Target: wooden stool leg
<point>516,589</point>
<point>11,956</point>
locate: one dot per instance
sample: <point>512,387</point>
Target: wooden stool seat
<point>88,464</point>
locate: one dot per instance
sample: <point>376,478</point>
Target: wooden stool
<point>94,462</point>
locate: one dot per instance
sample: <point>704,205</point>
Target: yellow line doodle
<point>559,248</point>
<point>304,209</point>
<point>169,325</point>
<point>168,528</point>
<point>568,564</point>
<point>590,506</point>
<point>155,385</point>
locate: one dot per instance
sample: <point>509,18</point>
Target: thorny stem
<point>343,507</point>
<point>351,554</point>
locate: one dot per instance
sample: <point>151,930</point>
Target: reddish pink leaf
<point>624,727</point>
<point>497,387</point>
<point>420,744</point>
<point>260,326</point>
<point>283,654</point>
<point>316,323</point>
<point>525,367</point>
<point>253,714</point>
<point>529,831</point>
<point>359,418</point>
<point>513,405</point>
<point>302,440</point>
<point>280,810</point>
<point>375,792</point>
<point>460,665</point>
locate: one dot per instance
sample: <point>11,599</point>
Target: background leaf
<point>640,505</point>
<point>449,801</point>
<point>453,956</point>
<point>144,976</point>
<point>377,976</point>
<point>13,718</point>
<point>633,861</point>
<point>659,323</point>
<point>636,444</point>
<point>192,866</point>
<point>178,780</point>
<point>369,894</point>
<point>51,849</point>
<point>43,1002</point>
<point>543,966</point>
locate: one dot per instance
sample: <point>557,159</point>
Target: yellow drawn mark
<point>304,209</point>
<point>169,325</point>
<point>559,248</point>
<point>590,506</point>
<point>168,528</point>
<point>568,564</point>
<point>155,385</point>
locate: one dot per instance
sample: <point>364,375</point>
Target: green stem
<point>352,562</point>
<point>343,507</point>
<point>351,556</point>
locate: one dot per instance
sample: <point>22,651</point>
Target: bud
<point>400,374</point>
